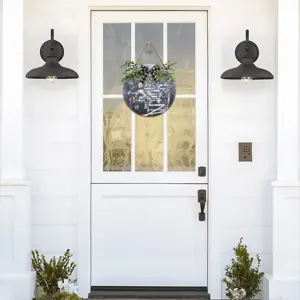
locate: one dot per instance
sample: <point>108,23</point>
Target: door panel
<point>148,235</point>
<point>127,148</point>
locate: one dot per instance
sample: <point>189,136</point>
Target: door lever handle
<point>202,201</point>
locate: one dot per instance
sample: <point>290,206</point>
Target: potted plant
<point>53,277</point>
<point>242,278</point>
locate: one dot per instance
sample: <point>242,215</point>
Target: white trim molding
<point>288,91</point>
<point>16,279</point>
<point>84,129</point>
<point>284,281</point>
<point>14,182</point>
<point>206,6</point>
<point>295,183</point>
<point>11,159</point>
<point>84,161</point>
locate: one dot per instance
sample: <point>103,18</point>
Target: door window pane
<point>116,50</point>
<point>116,135</point>
<point>181,49</point>
<point>149,144</point>
<point>181,135</point>
<point>148,32</point>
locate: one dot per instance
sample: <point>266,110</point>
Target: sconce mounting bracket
<point>52,49</point>
<point>246,50</point>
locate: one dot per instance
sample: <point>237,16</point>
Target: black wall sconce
<point>247,53</point>
<point>52,53</point>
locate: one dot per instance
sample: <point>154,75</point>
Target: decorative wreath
<point>140,72</point>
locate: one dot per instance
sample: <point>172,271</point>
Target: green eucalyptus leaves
<point>140,72</point>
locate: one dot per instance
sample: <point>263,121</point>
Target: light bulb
<point>246,79</point>
<point>51,78</point>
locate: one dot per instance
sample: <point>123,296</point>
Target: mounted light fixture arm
<point>247,40</point>
<point>247,35</point>
<point>51,44</point>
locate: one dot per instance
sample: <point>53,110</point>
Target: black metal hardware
<point>52,53</point>
<point>247,53</point>
<point>202,201</point>
<point>201,171</point>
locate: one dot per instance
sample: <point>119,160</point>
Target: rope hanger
<point>149,43</point>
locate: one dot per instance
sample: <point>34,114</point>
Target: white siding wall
<point>50,132</point>
<point>241,192</point>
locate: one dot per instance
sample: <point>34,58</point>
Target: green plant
<point>134,71</point>
<point>241,274</point>
<point>73,297</point>
<point>48,274</point>
<point>59,296</point>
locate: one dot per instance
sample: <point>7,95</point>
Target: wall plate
<point>245,152</point>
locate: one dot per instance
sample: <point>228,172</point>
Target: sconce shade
<point>247,71</point>
<point>247,53</point>
<point>52,52</point>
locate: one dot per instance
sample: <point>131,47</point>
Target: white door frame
<point>84,155</point>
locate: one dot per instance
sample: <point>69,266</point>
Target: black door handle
<point>202,201</point>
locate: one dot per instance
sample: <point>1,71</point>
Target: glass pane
<point>148,32</point>
<point>116,50</point>
<point>181,135</point>
<point>116,135</point>
<point>149,144</point>
<point>181,49</point>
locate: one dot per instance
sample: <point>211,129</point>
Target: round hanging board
<point>149,90</point>
<point>149,97</point>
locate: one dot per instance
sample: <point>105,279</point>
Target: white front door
<point>144,201</point>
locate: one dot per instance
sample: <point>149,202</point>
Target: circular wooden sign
<point>149,97</point>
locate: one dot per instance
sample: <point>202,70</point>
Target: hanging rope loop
<point>149,43</point>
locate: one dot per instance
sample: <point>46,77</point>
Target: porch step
<point>141,293</point>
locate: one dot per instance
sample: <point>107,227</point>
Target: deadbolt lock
<point>201,171</point>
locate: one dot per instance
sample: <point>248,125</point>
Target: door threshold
<point>146,292</point>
